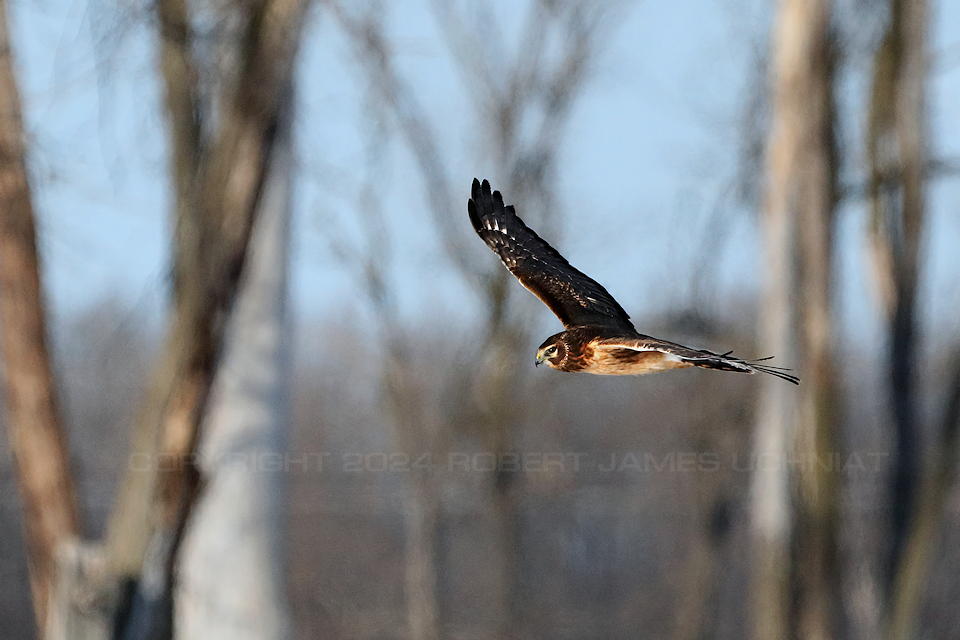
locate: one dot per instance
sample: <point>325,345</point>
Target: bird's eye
<point>551,350</point>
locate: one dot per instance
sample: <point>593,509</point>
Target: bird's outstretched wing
<point>696,357</point>
<point>574,297</point>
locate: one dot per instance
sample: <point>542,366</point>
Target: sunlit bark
<point>33,422</point>
<point>795,506</point>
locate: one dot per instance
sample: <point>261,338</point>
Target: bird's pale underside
<point>599,337</point>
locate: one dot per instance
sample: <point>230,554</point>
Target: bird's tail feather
<point>724,362</point>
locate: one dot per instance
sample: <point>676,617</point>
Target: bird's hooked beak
<point>540,360</point>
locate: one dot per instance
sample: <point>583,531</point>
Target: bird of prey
<point>599,337</point>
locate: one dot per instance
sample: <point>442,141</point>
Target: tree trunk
<point>219,180</point>
<point>37,438</point>
<point>816,567</point>
<point>920,546</point>
<point>795,584</point>
<point>421,514</point>
<point>219,177</point>
<point>231,575</point>
<point>898,154</point>
<point>896,148</point>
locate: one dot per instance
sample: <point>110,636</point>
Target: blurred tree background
<point>210,437</point>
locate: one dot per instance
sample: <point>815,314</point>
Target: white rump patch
<point>634,347</point>
<point>672,357</point>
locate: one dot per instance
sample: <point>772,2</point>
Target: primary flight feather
<point>599,337</point>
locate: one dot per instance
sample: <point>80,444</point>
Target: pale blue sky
<point>651,150</point>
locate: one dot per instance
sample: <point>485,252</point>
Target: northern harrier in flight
<point>599,337</point>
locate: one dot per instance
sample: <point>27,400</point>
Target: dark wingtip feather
<point>482,198</point>
<point>474,216</point>
<point>485,202</point>
<point>475,205</point>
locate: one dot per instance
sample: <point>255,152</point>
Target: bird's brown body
<point>598,350</point>
<point>592,349</point>
<point>599,336</point>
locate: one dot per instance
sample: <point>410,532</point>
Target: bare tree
<point>897,153</point>
<point>419,429</point>
<point>222,144</point>
<point>539,86</point>
<point>916,558</point>
<point>897,150</point>
<point>218,178</point>
<point>817,490</point>
<point>795,516</point>
<point>34,426</point>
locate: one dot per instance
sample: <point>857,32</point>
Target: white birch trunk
<point>232,564</point>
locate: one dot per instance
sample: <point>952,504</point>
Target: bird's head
<point>552,351</point>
